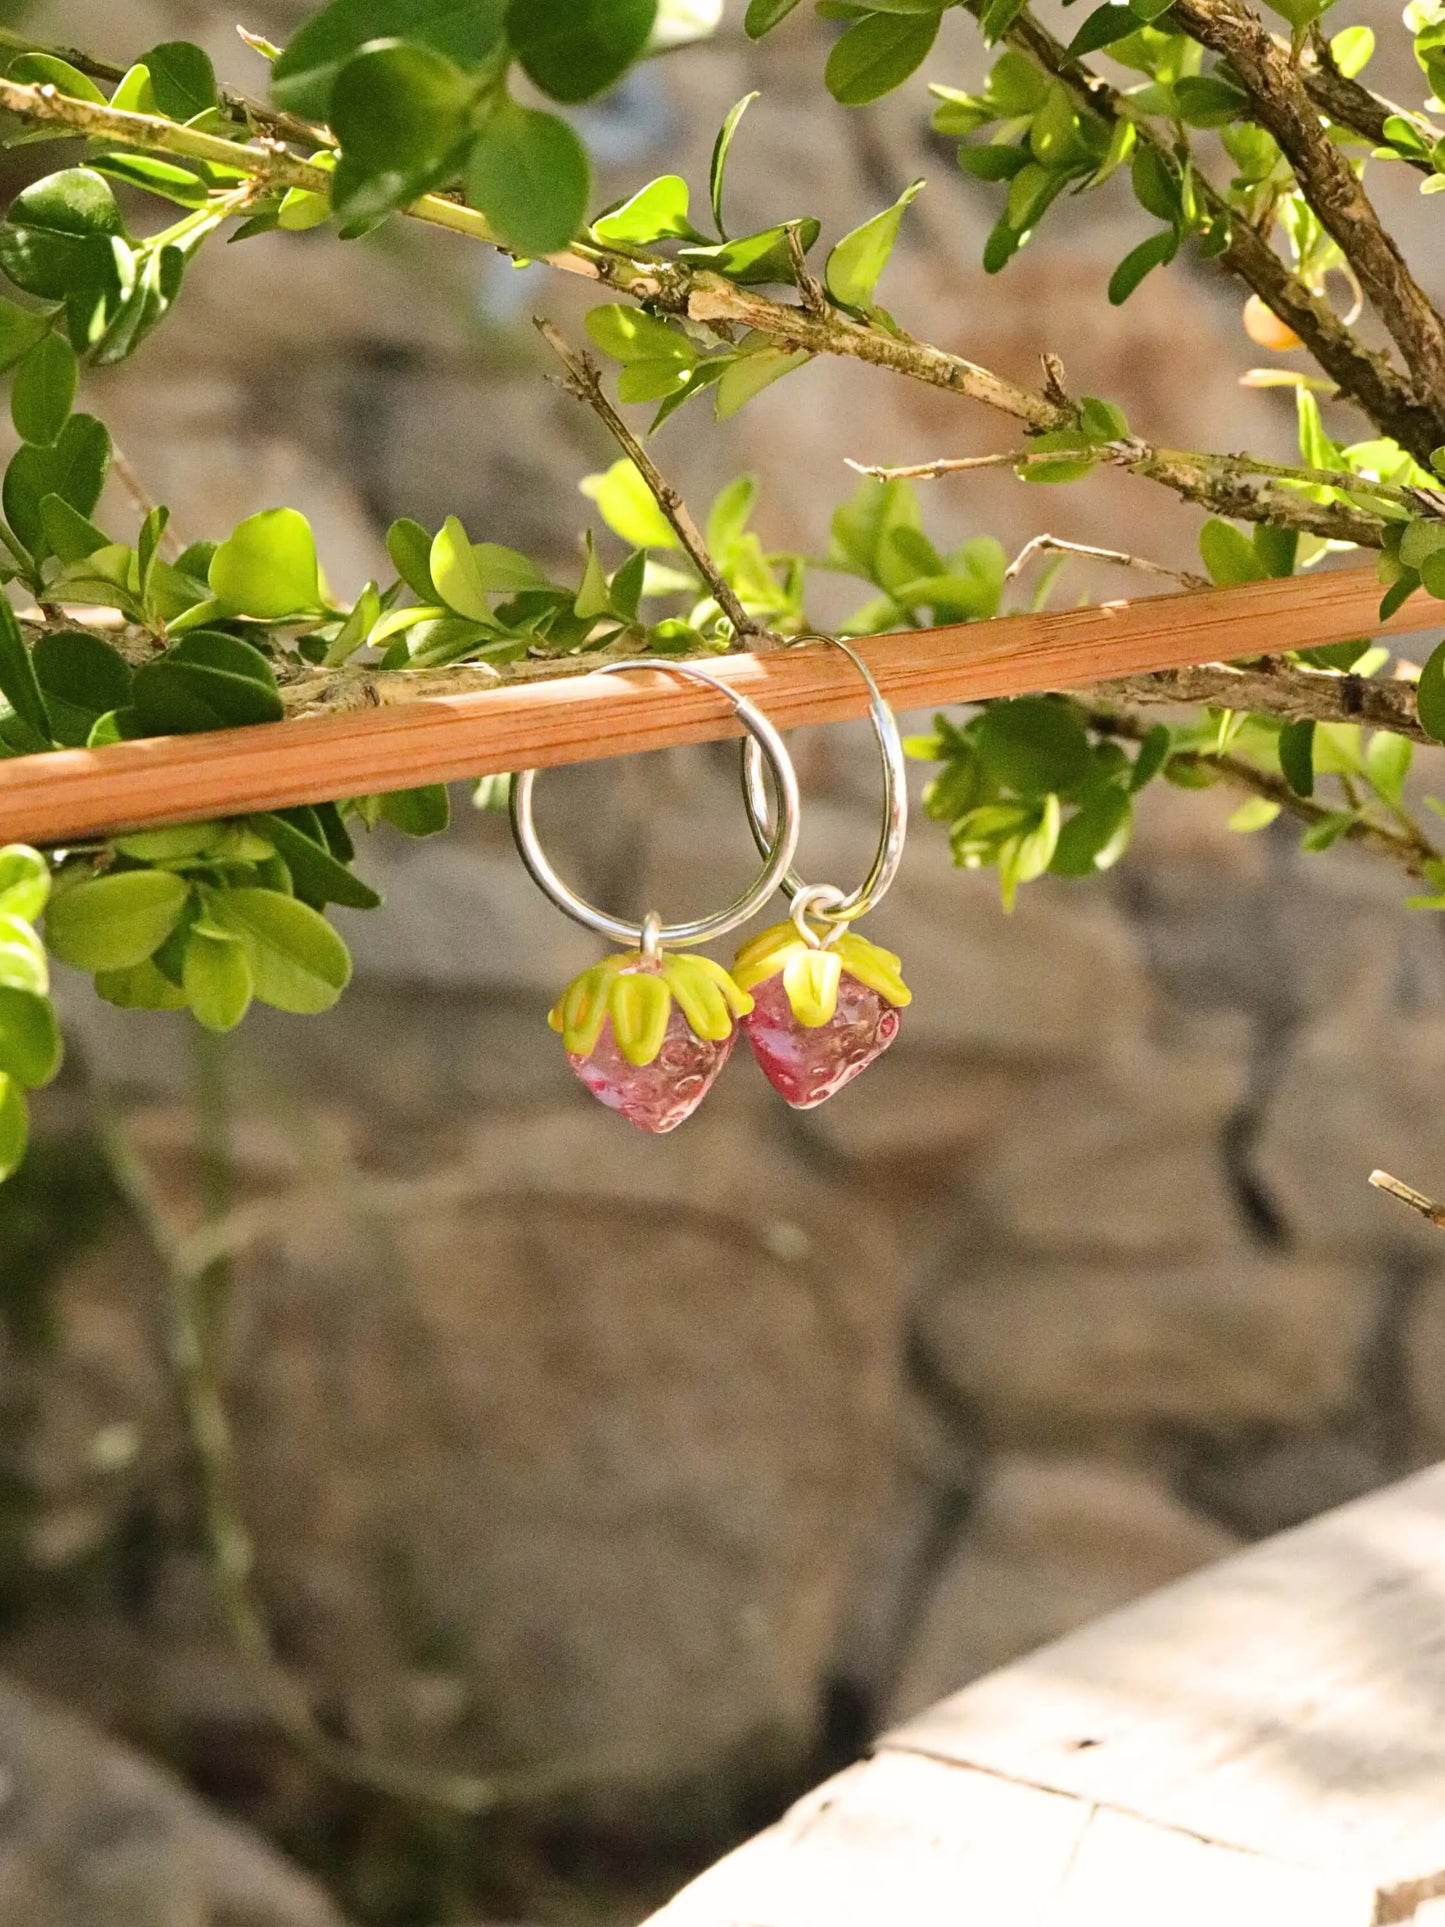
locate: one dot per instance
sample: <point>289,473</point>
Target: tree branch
<point>1274,688</point>
<point>671,287</point>
<point>1361,374</point>
<point>1349,104</point>
<point>1404,844</point>
<point>1282,104</point>
<point>1407,1194</point>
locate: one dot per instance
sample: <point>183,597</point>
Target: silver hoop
<point>776,847</point>
<point>895,811</point>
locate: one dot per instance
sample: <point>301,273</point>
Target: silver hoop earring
<point>826,1000</point>
<point>648,1033</point>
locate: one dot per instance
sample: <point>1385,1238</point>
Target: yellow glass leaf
<point>698,998</point>
<point>764,955</point>
<point>640,1005</point>
<point>581,1010</point>
<point>811,978</point>
<point>872,965</point>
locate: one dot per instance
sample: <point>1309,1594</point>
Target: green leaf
<point>81,677</point>
<point>424,811</point>
<point>23,963</point>
<point>1430,695</point>
<point>1297,757</point>
<point>628,334</point>
<point>44,69</point>
<point>409,546</point>
<point>721,148</point>
<point>206,680</point>
<point>216,978</point>
<point>14,1126</point>
<point>530,175</point>
<point>298,961</point>
<point>267,568</point>
<point>763,15</point>
<point>319,877</point>
<point>44,389</point>
<point>1256,814</point>
<point>748,374</point>
<point>139,987</point>
<point>58,235</point>
<point>657,212</point>
<point>74,467</point>
<point>69,536</point>
<point>627,506</point>
<point>1352,50</point>
<point>466,31</point>
<point>183,81</point>
<point>1153,755</point>
<point>1138,262</point>
<point>1205,100</point>
<point>1076,457</point>
<point>858,260</point>
<point>1095,837</point>
<point>754,259</point>
<point>1034,744</point>
<point>1300,14</point>
<point>1419,541</point>
<point>1229,554</point>
<point>30,1049</point>
<point>877,55</point>
<point>575,49</point>
<point>1387,763</point>
<point>112,922</point>
<point>20,329</point>
<point>24,882</point>
<point>1103,27</point>
<point>17,676</point>
<point>457,573</point>
<point>994,161</point>
<point>401,114</point>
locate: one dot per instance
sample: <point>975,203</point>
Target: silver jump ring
<point>777,847</point>
<point>895,809</point>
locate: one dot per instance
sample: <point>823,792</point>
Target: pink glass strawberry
<point>648,1037</point>
<point>821,1014</point>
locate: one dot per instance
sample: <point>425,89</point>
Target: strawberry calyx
<point>638,997</point>
<point>811,976</point>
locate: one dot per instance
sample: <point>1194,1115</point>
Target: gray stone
<point>1103,1354</point>
<point>89,1832</point>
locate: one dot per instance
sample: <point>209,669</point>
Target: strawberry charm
<point>648,1035</point>
<point>647,1030</point>
<point>821,1012</point>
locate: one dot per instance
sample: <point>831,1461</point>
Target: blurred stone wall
<point>685,1463</point>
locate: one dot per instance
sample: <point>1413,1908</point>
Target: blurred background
<point>655,1476</point>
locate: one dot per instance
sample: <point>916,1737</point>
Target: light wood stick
<point>74,793</point>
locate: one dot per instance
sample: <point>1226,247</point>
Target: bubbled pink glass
<point>805,1065</point>
<point>655,1097</point>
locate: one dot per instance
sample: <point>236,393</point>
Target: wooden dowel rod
<point>74,793</point>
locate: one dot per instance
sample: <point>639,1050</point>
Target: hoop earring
<point>649,1033</point>
<point>827,1001</point>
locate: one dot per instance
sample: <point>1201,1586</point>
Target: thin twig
<point>946,465</point>
<point>1407,1194</point>
<point>584,381</point>
<point>1038,544</point>
<point>811,292</point>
